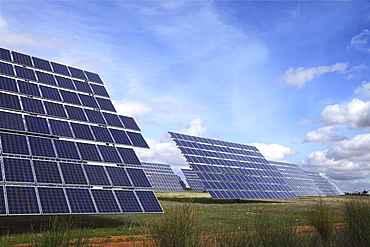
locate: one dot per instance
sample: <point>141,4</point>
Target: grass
<point>225,219</point>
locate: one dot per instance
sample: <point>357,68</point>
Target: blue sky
<point>290,77</point>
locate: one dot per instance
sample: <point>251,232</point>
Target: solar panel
<point>323,184</point>
<point>149,201</point>
<point>161,177</point>
<point>235,171</point>
<point>57,149</point>
<point>8,84</point>
<point>53,200</point>
<point>193,180</point>
<point>137,140</point>
<point>11,121</point>
<point>105,201</point>
<point>6,69</point>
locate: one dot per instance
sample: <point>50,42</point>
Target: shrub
<point>319,217</point>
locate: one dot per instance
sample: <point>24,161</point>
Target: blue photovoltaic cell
<point>120,136</point>
<point>8,84</point>
<point>97,175</point>
<point>14,144</point>
<point>138,177</point>
<point>37,125</point>
<point>128,202</point>
<point>128,155</point>
<point>32,105</point>
<point>60,128</point>
<point>70,97</point>
<point>66,149</point>
<point>5,54</point>
<point>149,201</point>
<point>129,123</point>
<point>11,121</point>
<point>46,78</point>
<point>50,93</point>
<point>73,173</point>
<point>83,86</point>
<point>93,77</point>
<point>60,68</point>
<point>77,73</point>
<point>80,201</point>
<point>118,176</point>
<point>99,90</point>
<point>29,88</point>
<point>101,134</point>
<point>95,116</point>
<point>76,113</point>
<point>82,131</point>
<point>88,101</point>
<point>22,59</point>
<point>25,73</point>
<point>9,101</point>
<point>6,69</point>
<point>89,151</point>
<point>41,146</point>
<point>137,140</point>
<point>2,201</point>
<point>42,64</point>
<point>22,200</point>
<point>55,109</point>
<point>65,82</point>
<point>105,104</point>
<point>109,154</point>
<point>105,201</point>
<point>18,170</point>
<point>112,119</point>
<point>47,172</point>
<point>53,200</point>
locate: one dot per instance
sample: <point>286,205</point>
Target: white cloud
<point>356,112</point>
<point>359,42</point>
<point>274,152</point>
<point>364,89</point>
<point>343,160</point>
<point>305,121</point>
<point>300,76</point>
<point>132,108</point>
<point>324,134</point>
<point>195,128</point>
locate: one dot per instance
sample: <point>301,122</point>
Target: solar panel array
<point>323,184</point>
<point>193,180</point>
<point>161,177</point>
<point>231,170</point>
<point>297,180</point>
<point>63,147</point>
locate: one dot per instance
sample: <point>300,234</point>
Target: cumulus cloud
<point>300,76</point>
<point>132,108</point>
<point>356,112</point>
<point>195,128</point>
<point>343,160</point>
<point>274,152</point>
<point>359,42</point>
<point>364,89</point>
<point>324,134</point>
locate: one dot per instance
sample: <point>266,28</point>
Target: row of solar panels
<point>41,64</point>
<point>63,149</point>
<point>53,127</point>
<point>33,171</point>
<point>200,148</point>
<point>220,194</point>
<point>253,163</point>
<point>30,200</point>
<point>46,108</point>
<point>80,98</point>
<point>213,142</point>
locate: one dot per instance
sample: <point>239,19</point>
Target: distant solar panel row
<point>20,170</point>
<point>297,180</point>
<point>33,105</point>
<point>31,200</point>
<point>226,175</point>
<point>193,180</point>
<point>56,127</point>
<point>45,65</point>
<point>323,184</point>
<point>53,148</point>
<point>161,177</point>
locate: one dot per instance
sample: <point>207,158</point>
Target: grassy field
<point>216,216</point>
